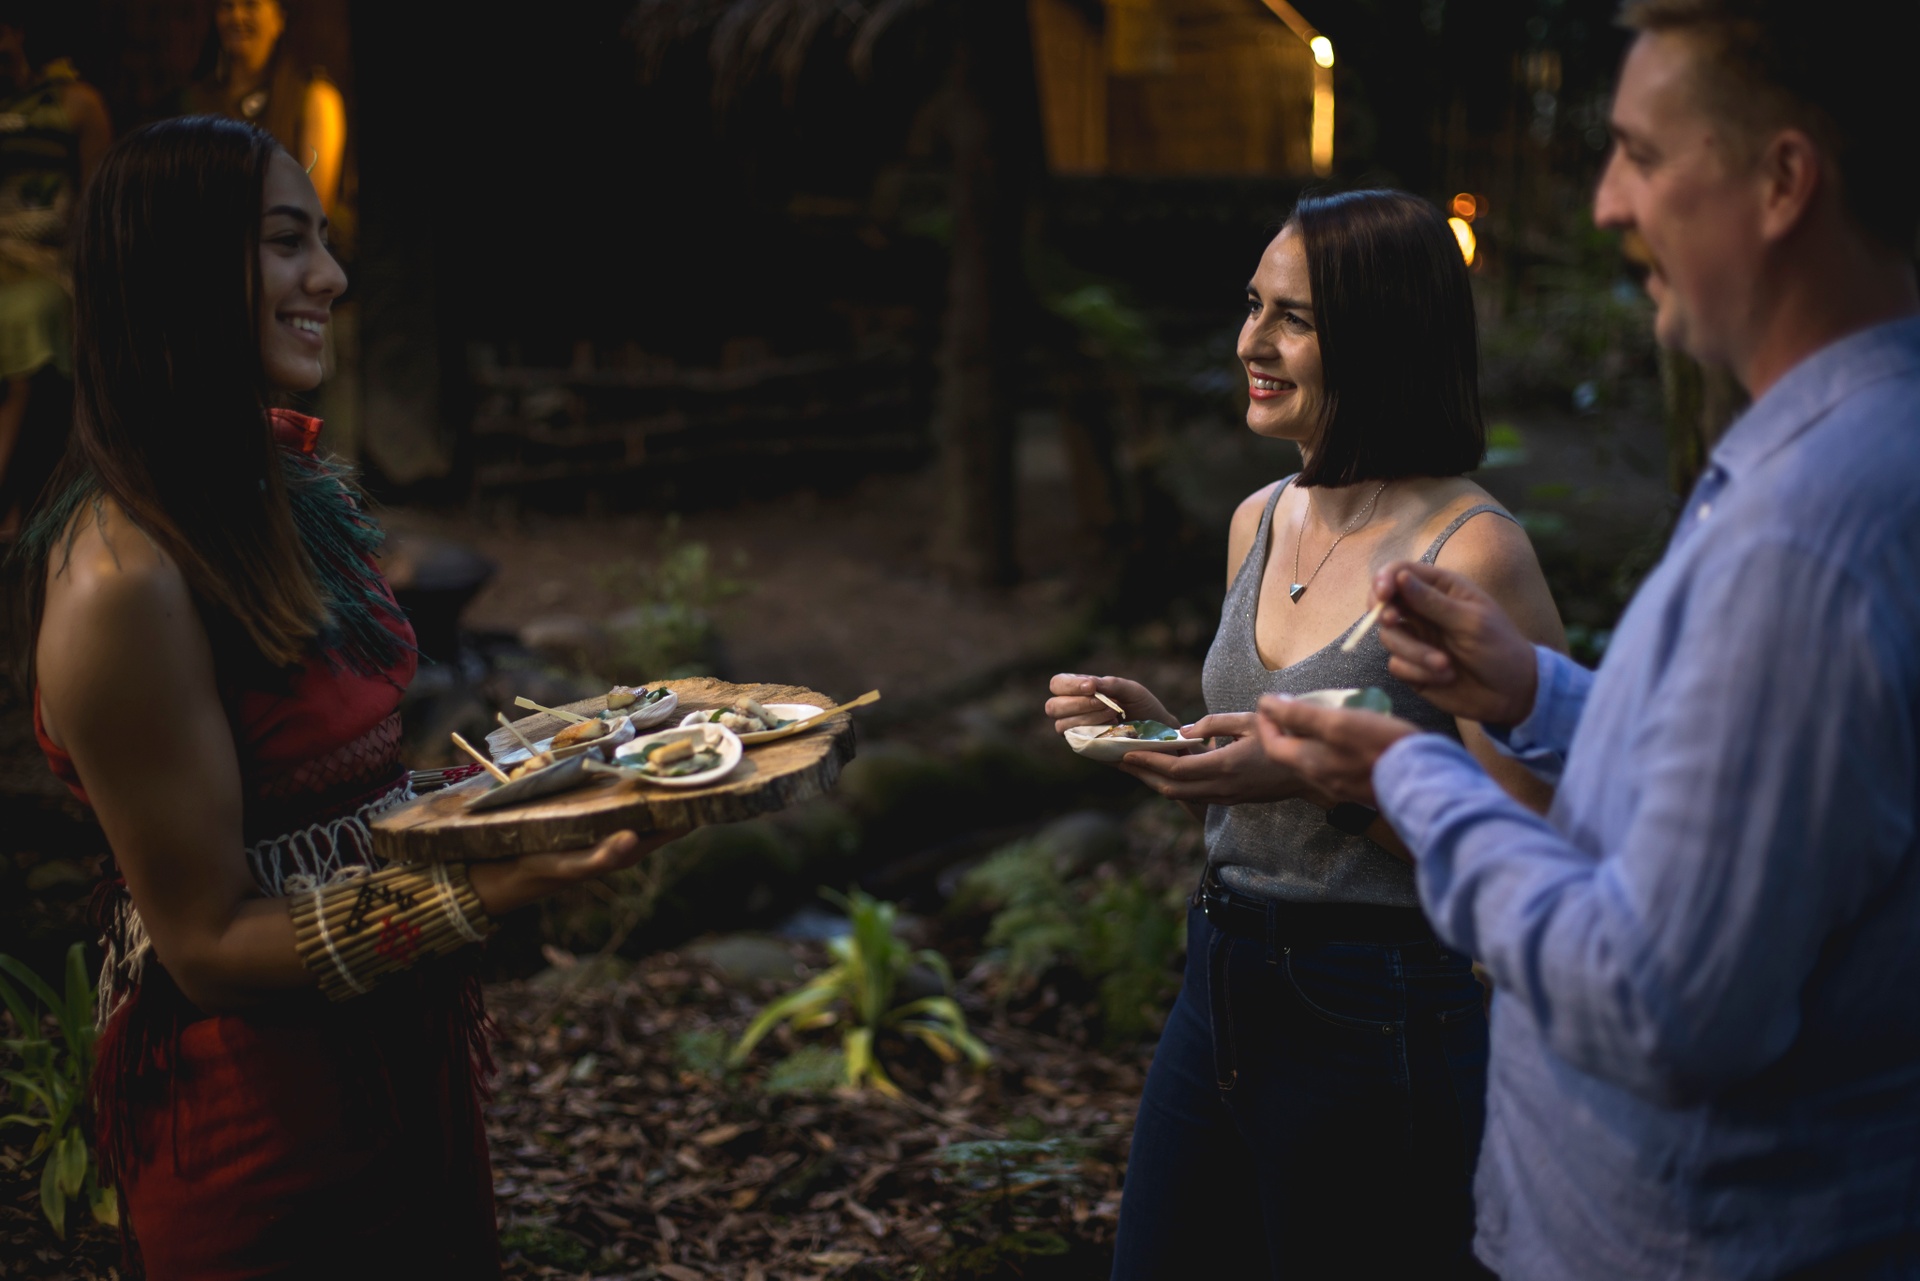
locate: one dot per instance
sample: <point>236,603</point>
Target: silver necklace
<point>1295,592</point>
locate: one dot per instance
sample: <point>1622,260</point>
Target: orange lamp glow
<point>1466,205</point>
<point>1463,232</point>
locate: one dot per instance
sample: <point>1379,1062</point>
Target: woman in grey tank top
<point>1315,1104</point>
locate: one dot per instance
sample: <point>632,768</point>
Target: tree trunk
<point>994,129</point>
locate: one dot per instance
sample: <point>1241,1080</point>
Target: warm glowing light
<point>1321,138</point>
<point>1322,50</point>
<point>1466,206</point>
<point>1464,234</point>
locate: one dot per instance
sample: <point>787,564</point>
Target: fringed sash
<point>295,862</point>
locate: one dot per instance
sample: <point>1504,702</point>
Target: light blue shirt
<point>1706,1033</point>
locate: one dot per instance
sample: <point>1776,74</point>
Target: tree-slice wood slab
<point>437,827</point>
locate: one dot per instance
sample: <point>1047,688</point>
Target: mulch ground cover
<point>624,1146</point>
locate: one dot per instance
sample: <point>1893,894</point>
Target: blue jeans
<point>1312,1111</point>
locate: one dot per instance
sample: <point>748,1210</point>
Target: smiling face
<point>1689,187</point>
<point>248,29</point>
<point>1280,346</point>
<point>299,278</point>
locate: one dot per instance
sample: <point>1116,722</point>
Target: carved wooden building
<point>1183,87</point>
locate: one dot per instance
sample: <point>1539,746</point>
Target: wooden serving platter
<point>438,828</point>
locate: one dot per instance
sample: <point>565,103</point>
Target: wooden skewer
<point>1361,628</point>
<point>485,764</point>
<point>1118,710</point>
<point>871,696</point>
<point>515,731</point>
<point>572,718</point>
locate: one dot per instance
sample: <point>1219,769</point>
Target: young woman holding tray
<point>1315,1104</point>
<point>291,1063</point>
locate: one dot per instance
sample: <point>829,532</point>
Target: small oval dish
<point>722,742</point>
<point>789,714</point>
<point>1370,699</point>
<point>1096,744</point>
<point>647,711</point>
<point>620,730</point>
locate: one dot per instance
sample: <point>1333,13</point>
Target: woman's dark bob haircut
<point>1394,311</point>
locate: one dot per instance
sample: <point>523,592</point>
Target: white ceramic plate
<point>785,711</point>
<point>655,713</point>
<point>1333,698</point>
<point>1086,740</point>
<point>731,753</point>
<point>623,732</point>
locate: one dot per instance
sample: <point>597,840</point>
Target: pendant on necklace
<point>1293,592</point>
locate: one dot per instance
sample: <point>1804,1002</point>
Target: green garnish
<point>1370,699</point>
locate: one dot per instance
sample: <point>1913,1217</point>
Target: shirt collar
<point>1806,392</point>
<point>295,431</point>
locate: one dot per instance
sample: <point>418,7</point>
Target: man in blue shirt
<point>1706,1027</point>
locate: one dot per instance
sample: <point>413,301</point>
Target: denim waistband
<point>1285,923</point>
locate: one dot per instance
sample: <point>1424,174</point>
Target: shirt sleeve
<point>1774,794</point>
<point>1540,742</point>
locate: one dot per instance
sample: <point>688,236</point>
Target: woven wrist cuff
<point>353,934</point>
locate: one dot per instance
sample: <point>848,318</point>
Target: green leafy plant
<point>859,992</point>
<point>1118,933</point>
<point>51,1087</point>
<point>668,632</point>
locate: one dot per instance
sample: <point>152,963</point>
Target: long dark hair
<point>170,397</point>
<point>1398,347</point>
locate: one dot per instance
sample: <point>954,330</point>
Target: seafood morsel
<point>532,765</point>
<point>581,732</point>
<point>679,758</point>
<point>625,699</point>
<point>747,717</point>
<point>1146,731</point>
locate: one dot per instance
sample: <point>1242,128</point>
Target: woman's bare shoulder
<point>107,581</point>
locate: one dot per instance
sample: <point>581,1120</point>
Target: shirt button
<point>1706,510</point>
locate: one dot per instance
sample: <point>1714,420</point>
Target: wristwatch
<point>1352,817</point>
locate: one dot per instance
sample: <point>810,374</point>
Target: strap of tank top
<point>1263,537</point>
<point>1458,521</point>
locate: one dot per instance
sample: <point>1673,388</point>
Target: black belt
<point>1286,923</point>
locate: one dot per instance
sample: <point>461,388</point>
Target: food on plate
<point>581,732</point>
<point>1145,731</point>
<point>532,765</point>
<point>747,717</point>
<point>676,758</point>
<point>1371,699</point>
<point>622,698</point>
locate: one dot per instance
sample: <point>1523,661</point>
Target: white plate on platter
<point>732,751</point>
<point>623,732</point>
<point>1087,741</point>
<point>644,719</point>
<point>785,711</point>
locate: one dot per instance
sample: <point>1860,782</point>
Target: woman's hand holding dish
<point>1237,773</point>
<point>1073,703</point>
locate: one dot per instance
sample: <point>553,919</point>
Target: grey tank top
<point>1286,849</point>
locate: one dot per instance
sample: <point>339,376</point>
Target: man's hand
<point>1453,643</point>
<point>1333,750</point>
<point>1073,702</point>
<point>1236,774</point>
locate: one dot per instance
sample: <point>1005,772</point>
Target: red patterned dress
<point>301,1138</point>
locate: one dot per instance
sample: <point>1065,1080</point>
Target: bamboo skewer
<point>871,696</point>
<point>572,718</point>
<point>514,730</point>
<point>485,764</point>
<point>1361,628</point>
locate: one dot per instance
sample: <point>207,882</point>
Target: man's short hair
<point>1841,70</point>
